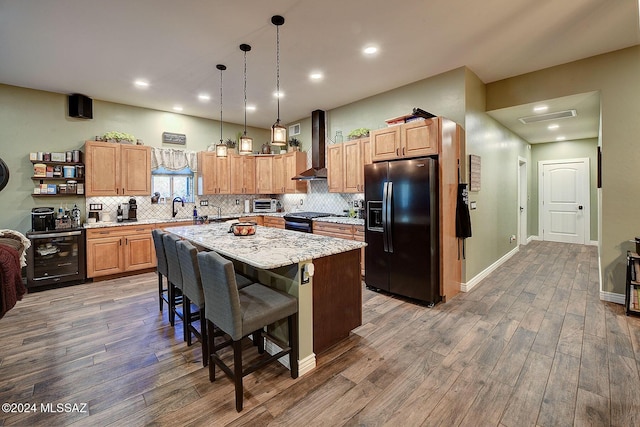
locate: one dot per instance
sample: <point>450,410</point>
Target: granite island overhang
<point>323,273</point>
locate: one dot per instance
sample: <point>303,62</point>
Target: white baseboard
<point>466,287</point>
<point>612,297</point>
<point>532,238</point>
<point>593,243</point>
<point>304,365</point>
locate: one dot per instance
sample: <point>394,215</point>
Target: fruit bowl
<point>243,228</point>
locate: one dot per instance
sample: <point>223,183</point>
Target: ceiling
<point>99,48</point>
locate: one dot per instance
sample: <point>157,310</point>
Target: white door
<point>565,200</point>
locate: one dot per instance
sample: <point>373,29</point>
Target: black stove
<point>302,221</point>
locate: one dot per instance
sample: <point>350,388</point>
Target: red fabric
<point>11,287</point>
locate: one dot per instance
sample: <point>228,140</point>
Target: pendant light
<point>246,143</point>
<point>278,132</point>
<point>221,149</point>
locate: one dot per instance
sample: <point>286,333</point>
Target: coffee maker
<point>132,212</point>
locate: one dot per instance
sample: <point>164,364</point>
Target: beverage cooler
<point>56,257</point>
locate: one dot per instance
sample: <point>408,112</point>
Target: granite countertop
<point>341,220</point>
<point>147,221</point>
<point>268,248</point>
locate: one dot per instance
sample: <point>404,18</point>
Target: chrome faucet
<point>173,205</point>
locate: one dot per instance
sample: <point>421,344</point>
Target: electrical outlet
<point>301,202</point>
<point>237,202</point>
<point>512,238</point>
<point>204,202</point>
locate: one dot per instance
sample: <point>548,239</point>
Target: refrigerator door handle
<point>389,218</point>
<point>384,217</point>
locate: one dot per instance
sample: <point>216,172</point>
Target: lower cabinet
<point>256,218</point>
<point>342,231</point>
<point>274,221</point>
<point>121,249</point>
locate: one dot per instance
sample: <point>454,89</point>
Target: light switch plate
<point>472,205</point>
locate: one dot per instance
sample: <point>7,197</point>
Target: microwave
<point>264,205</point>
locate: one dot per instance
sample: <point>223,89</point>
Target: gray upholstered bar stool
<point>243,312</point>
<point>175,279</point>
<point>161,268</point>
<point>192,294</point>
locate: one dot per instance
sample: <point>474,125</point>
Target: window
<point>172,184</point>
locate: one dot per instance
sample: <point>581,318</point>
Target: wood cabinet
<point>258,219</point>
<point>117,169</point>
<point>273,221</point>
<point>345,165</point>
<point>121,249</point>
<point>413,139</point>
<point>215,173</point>
<point>264,174</point>
<point>277,183</point>
<point>243,174</point>
<point>342,231</point>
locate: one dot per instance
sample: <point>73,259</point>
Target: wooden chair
<point>243,312</point>
<point>162,269</point>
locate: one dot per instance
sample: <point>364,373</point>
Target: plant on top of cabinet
<point>118,136</point>
<point>358,133</point>
<point>294,143</point>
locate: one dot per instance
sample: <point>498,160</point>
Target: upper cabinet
<point>243,174</point>
<point>413,139</point>
<point>264,174</point>
<point>117,169</point>
<point>214,171</point>
<point>345,165</point>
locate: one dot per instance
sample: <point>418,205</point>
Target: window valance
<point>173,160</point>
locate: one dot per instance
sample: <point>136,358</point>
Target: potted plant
<point>119,137</point>
<point>231,145</point>
<point>294,144</point>
<point>358,133</point>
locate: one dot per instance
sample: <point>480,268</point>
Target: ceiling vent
<point>549,116</point>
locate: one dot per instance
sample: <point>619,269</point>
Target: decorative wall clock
<point>4,174</point>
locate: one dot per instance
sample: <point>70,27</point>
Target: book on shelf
<point>636,268</point>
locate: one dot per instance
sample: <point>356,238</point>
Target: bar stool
<point>192,294</point>
<point>161,268</point>
<point>175,279</point>
<point>243,312</point>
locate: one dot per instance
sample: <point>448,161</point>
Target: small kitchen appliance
<point>265,205</point>
<point>132,213</point>
<point>43,219</point>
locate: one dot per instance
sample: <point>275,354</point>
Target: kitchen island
<point>323,273</point>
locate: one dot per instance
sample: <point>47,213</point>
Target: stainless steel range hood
<point>318,136</point>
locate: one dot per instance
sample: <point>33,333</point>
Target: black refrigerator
<point>401,202</point>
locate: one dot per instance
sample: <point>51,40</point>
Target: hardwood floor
<point>531,345</point>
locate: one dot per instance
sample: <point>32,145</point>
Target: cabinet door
<point>249,174</point>
<point>278,174</point>
<point>135,170</point>
<point>102,163</point>
<point>139,252</point>
<point>264,173</point>
<point>223,181</point>
<point>419,138</point>
<point>207,168</point>
<point>294,163</point>
<point>104,256</point>
<point>353,167</point>
<point>335,168</point>
<point>385,143</point>
<point>236,172</point>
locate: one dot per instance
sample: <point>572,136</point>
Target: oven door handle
<point>62,234</point>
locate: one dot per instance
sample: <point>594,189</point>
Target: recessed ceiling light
<point>204,97</point>
<point>560,138</point>
<point>278,94</point>
<point>540,108</point>
<point>316,76</point>
<point>141,83</point>
<point>177,108</point>
<point>370,50</point>
<point>553,126</point>
<point>251,108</point>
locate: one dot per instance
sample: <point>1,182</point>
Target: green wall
<point>616,76</point>
<point>566,150</point>
<point>34,120</point>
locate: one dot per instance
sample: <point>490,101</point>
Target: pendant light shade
<point>278,132</point>
<point>221,148</point>
<point>246,143</point>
